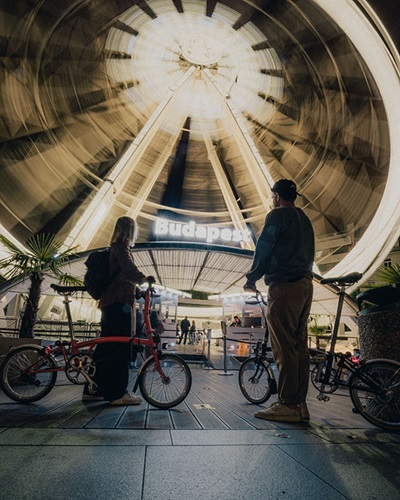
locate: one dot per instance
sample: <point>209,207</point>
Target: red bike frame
<point>71,348</point>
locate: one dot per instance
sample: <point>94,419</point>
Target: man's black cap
<point>286,188</point>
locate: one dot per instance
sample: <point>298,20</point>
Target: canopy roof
<point>213,269</point>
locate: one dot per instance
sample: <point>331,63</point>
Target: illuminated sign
<point>191,230</point>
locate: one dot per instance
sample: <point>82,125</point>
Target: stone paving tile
<point>85,437</point>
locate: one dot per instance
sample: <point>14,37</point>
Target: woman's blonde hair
<point>125,230</point>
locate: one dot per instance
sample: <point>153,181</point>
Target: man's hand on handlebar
<point>249,287</point>
<point>149,279</point>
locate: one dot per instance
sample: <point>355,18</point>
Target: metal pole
<point>225,372</point>
<point>208,367</point>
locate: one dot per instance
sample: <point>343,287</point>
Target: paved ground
<point>210,446</point>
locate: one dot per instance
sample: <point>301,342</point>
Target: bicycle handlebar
<point>141,294</point>
<point>259,298</point>
<point>150,280</point>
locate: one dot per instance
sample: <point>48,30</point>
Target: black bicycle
<point>374,385</point>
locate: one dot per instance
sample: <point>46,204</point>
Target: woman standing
<point>117,305</point>
<point>192,333</point>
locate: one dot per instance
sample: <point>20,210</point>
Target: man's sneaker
<point>127,399</point>
<point>305,414</point>
<point>278,412</point>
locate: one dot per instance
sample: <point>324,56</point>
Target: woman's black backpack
<point>97,277</point>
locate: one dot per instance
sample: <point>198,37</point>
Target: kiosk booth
<point>240,338</point>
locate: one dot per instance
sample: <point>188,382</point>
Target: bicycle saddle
<point>349,279</point>
<point>67,289</point>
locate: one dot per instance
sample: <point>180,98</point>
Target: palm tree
<point>43,256</point>
<point>390,275</point>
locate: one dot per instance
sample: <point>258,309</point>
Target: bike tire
<point>383,409</point>
<point>160,393</point>
<point>255,381</point>
<point>20,386</point>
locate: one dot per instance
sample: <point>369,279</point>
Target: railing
<point>316,340</point>
<point>51,329</point>
<point>9,326</point>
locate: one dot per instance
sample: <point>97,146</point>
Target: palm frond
<point>68,279</point>
<point>64,256</point>
<point>17,266</point>
<point>389,274</point>
<point>43,246</point>
<point>10,246</point>
<point>43,252</point>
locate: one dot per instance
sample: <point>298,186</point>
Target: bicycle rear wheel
<point>375,392</point>
<point>169,391</point>
<point>23,377</point>
<point>255,381</point>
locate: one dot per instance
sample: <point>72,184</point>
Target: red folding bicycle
<point>29,372</point>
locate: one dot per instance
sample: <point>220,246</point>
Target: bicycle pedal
<point>92,388</point>
<point>318,359</point>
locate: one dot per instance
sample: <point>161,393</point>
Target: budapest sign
<point>194,231</point>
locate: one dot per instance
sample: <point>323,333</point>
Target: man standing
<point>284,255</point>
<point>185,325</point>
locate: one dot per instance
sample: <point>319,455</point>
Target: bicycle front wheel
<point>168,387</point>
<point>24,374</point>
<point>255,381</point>
<point>375,392</point>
